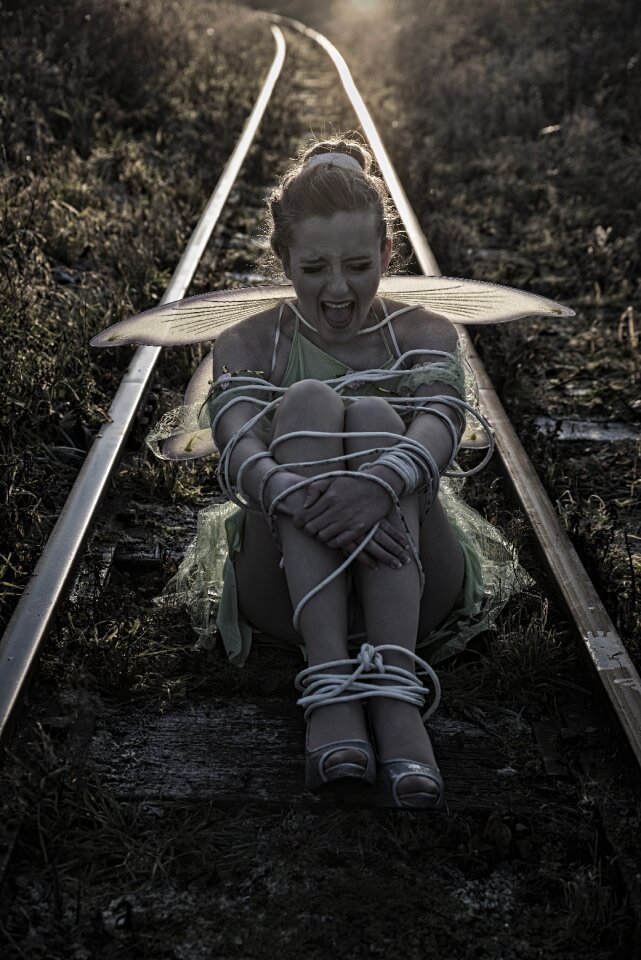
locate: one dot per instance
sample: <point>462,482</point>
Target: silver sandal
<point>392,772</point>
<point>407,687</point>
<point>369,679</point>
<point>321,689</point>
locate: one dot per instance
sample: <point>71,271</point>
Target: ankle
<point>338,721</point>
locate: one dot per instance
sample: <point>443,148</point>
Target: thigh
<point>443,566</point>
<point>263,596</point>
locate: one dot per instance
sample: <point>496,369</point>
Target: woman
<point>336,413</point>
<point>331,233</point>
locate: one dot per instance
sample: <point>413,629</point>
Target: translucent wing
<point>184,433</point>
<point>205,316</point>
<point>200,383</point>
<point>470,301</point>
<point>189,445</point>
<point>193,319</point>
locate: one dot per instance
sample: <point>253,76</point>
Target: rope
<point>370,678</point>
<point>407,458</point>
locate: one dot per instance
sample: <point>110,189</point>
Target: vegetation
<point>520,149</point>
<point>116,121</point>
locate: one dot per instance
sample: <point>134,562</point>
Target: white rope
<point>270,513</point>
<point>407,457</point>
<point>370,678</point>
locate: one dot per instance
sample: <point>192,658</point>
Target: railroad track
<point>210,748</point>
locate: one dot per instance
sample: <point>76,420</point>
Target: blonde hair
<point>323,189</point>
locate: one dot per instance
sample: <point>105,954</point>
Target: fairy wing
<point>193,319</point>
<point>189,445</point>
<point>470,301</point>
<point>203,317</point>
<point>200,384</point>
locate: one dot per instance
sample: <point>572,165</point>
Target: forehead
<point>342,234</point>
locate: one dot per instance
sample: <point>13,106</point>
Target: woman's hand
<point>340,511</point>
<point>280,482</point>
<point>388,546</point>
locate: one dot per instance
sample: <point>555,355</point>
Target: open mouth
<point>338,313</point>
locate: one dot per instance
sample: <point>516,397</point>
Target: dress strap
<point>276,340</point>
<point>386,320</point>
<point>389,327</point>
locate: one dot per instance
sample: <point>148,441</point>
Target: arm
<point>234,350</point>
<point>429,429</point>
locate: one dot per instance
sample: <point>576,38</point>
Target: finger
<point>399,535</point>
<point>382,554</point>
<point>314,491</point>
<point>391,546</point>
<point>363,557</point>
<point>342,539</point>
<point>374,554</point>
<point>312,512</point>
<point>335,535</point>
<point>383,539</point>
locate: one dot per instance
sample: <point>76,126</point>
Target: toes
<point>352,756</point>
<point>418,791</point>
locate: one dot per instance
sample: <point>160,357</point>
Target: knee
<point>311,400</point>
<point>372,413</point>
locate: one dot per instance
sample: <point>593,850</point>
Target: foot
<point>340,721</point>
<point>400,734</point>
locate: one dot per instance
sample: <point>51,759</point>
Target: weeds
<point>108,156</point>
<point>520,151</point>
<point>123,161</point>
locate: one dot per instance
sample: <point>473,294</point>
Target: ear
<point>386,254</point>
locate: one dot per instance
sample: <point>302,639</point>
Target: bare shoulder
<point>421,329</point>
<point>248,345</point>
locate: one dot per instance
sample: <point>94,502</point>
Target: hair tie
<point>339,159</point>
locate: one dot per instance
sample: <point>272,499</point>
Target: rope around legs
<point>409,459</point>
<point>370,678</point>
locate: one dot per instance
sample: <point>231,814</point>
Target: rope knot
<point>370,659</point>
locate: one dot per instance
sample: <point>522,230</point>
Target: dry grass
<point>117,119</point>
<point>520,149</point>
<point>93,877</point>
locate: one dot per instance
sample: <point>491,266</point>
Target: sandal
<point>407,687</point>
<point>321,689</point>
<point>392,772</point>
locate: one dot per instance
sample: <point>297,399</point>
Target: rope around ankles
<point>370,678</point>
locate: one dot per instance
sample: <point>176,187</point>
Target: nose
<point>337,285</point>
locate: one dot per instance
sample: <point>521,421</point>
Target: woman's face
<point>335,264</point>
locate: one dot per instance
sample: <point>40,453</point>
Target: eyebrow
<point>319,259</point>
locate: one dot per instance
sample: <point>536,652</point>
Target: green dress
<point>206,579</point>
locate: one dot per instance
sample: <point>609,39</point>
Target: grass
<point>520,152</point>
<point>107,157</point>
<point>90,876</point>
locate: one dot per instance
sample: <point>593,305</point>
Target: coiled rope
<point>407,458</point>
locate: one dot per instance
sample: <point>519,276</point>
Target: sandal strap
<point>371,677</point>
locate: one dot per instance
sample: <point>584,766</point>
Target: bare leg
<point>393,607</point>
<point>310,405</point>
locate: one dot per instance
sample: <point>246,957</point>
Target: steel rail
<point>619,679</point>
<point>38,605</point>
